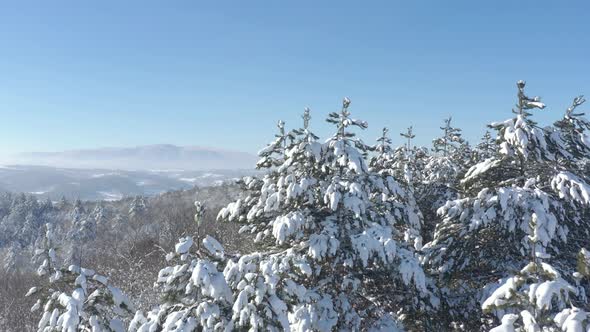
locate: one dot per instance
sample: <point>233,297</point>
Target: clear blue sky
<point>83,74</point>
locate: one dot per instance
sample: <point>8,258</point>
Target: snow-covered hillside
<point>105,184</point>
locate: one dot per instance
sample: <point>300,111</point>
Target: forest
<point>334,234</point>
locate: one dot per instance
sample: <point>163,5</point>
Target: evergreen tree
<point>487,148</point>
<point>518,206</point>
<point>401,201</point>
<point>537,298</point>
<point>439,176</point>
<point>99,213</point>
<point>404,166</point>
<point>82,230</point>
<point>274,153</point>
<point>451,152</point>
<point>569,136</point>
<point>76,298</point>
<point>137,208</point>
<point>328,242</point>
<point>409,135</point>
<point>78,212</point>
<point>450,141</point>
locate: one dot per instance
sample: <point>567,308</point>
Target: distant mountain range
<point>113,173</point>
<point>148,157</point>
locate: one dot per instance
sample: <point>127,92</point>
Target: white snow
<point>183,246</point>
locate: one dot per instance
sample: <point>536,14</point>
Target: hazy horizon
<point>144,157</point>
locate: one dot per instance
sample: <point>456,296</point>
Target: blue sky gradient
<point>84,74</point>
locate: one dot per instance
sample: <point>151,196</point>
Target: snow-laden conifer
<point>451,155</point>
<point>400,202</point>
<point>450,141</point>
<point>486,148</point>
<point>440,174</point>
<point>274,153</point>
<point>330,218</point>
<point>75,298</point>
<point>536,298</point>
<point>405,161</point>
<point>521,192</point>
<point>327,229</point>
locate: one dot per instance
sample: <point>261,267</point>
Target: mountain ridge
<point>142,157</point>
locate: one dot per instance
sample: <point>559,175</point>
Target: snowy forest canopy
<point>339,235</point>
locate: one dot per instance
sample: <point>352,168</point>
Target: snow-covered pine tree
<point>195,294</point>
<point>404,161</point>
<point>385,156</point>
<point>78,211</point>
<point>271,157</point>
<point>420,156</point>
<point>351,184</point>
<point>450,141</point>
<point>486,148</point>
<point>569,136</point>
<point>451,152</point>
<point>409,135</point>
<point>263,196</point>
<point>100,214</point>
<point>521,192</point>
<point>199,213</point>
<point>216,305</point>
<point>466,156</point>
<point>401,201</point>
<point>440,175</point>
<point>75,298</point>
<point>536,298</point>
<point>326,249</point>
<point>274,153</point>
<point>137,207</point>
<point>12,260</point>
<point>408,218</point>
<point>82,230</point>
